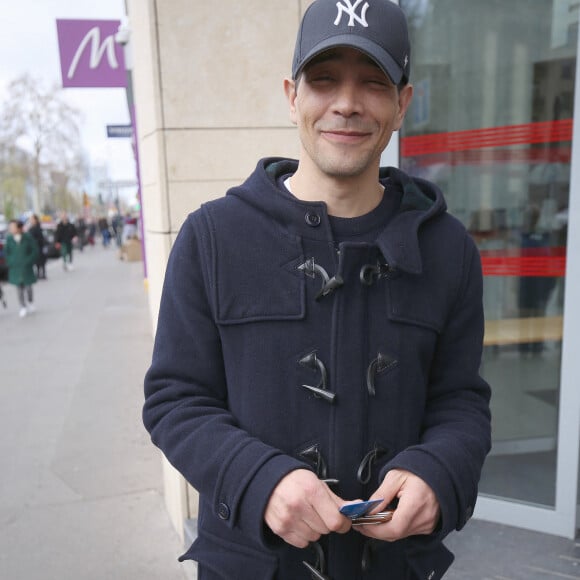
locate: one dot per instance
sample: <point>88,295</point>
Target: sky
<point>29,44</point>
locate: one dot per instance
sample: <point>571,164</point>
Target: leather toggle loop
<point>329,285</point>
<point>381,363</point>
<point>313,454</point>
<point>312,362</point>
<point>364,472</point>
<point>314,573</point>
<point>371,272</point>
<point>366,559</point>
<point>328,288</point>
<point>317,570</point>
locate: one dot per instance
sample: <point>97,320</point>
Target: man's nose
<point>348,99</point>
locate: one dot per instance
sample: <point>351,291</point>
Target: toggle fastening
<point>364,472</point>
<point>371,272</point>
<point>313,454</point>
<point>381,363</point>
<point>329,285</point>
<point>312,362</point>
<point>317,571</point>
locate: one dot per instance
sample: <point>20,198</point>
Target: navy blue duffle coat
<point>275,352</point>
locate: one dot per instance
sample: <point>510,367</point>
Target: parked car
<point>3,235</point>
<point>3,268</point>
<point>49,231</point>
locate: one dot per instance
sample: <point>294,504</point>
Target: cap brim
<point>383,59</point>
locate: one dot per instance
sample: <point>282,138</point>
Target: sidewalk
<point>80,487</point>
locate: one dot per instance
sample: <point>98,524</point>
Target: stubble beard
<point>343,166</point>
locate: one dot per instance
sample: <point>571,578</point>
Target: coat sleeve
<point>186,398</point>
<point>456,431</point>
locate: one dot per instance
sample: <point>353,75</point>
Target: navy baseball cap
<point>376,27</point>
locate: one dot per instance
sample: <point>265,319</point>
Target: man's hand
<point>417,513</point>
<point>302,508</point>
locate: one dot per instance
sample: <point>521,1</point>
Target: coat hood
<point>419,201</point>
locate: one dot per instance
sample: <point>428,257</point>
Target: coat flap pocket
<point>414,300</point>
<point>225,560</point>
<point>254,270</point>
<point>259,290</point>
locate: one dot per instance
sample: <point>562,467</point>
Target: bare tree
<point>14,175</point>
<point>40,121</point>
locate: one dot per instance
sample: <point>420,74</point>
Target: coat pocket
<point>254,269</point>
<point>419,302</point>
<point>220,559</point>
<point>261,290</point>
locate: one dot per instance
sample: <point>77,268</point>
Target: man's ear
<point>290,90</point>
<point>405,96</point>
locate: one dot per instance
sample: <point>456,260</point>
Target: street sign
<point>119,131</point>
<point>89,55</point>
<point>120,184</point>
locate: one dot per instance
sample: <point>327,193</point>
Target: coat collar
<point>419,202</point>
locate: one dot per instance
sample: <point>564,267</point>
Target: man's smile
<point>345,136</point>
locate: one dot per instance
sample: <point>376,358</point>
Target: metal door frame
<point>563,519</point>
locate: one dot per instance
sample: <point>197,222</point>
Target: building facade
<point>492,122</point>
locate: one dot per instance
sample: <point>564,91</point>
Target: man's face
<point>346,110</point>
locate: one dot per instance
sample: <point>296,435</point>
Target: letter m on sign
<point>89,55</point>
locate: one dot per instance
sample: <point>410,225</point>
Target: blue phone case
<point>356,510</point>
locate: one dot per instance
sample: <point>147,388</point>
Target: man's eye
<point>379,83</point>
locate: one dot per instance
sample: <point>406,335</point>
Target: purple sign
<point>89,55</point>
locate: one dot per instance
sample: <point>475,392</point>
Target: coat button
<point>312,219</point>
<point>223,511</point>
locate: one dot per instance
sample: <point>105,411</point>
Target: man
<point>64,237</point>
<point>320,336</point>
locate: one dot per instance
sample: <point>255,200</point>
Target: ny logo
<point>350,10</point>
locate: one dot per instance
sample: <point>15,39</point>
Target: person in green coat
<point>21,254</point>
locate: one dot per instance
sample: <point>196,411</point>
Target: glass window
<point>491,124</point>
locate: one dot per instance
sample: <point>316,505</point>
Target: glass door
<point>492,122</point>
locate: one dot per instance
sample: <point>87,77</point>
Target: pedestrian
<point>81,226</point>
<point>21,256</point>
<point>91,231</point>
<point>320,335</point>
<point>65,236</point>
<point>129,228</point>
<point>35,230</point>
<point>117,227</point>
<point>105,231</point>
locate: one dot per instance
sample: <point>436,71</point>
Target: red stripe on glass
<point>509,135</point>
<point>509,266</point>
<point>561,154</point>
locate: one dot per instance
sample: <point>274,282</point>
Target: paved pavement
<point>486,551</point>
<point>80,485</point>
<point>80,482</point>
